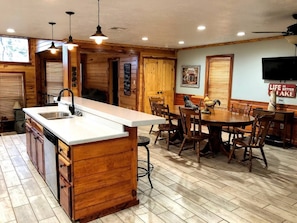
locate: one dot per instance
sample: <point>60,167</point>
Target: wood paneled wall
<point>96,75</point>
<point>101,54</point>
<point>128,101</point>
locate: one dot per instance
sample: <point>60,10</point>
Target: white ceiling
<point>164,22</point>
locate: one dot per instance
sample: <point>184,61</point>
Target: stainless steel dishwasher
<point>50,161</point>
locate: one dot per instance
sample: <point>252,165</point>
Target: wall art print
<point>190,76</point>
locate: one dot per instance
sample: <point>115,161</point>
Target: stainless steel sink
<point>55,115</point>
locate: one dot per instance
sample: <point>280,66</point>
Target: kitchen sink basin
<point>55,115</point>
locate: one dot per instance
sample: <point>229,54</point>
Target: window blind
<point>54,79</point>
<point>11,91</point>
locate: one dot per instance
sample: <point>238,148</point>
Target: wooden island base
<point>93,158</point>
<point>109,211</point>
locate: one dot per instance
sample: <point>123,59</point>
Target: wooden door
<point>159,80</point>
<point>218,79</point>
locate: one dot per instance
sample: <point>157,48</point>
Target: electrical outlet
<point>281,126</point>
<point>281,101</point>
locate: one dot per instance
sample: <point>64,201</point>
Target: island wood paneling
<point>104,181</point>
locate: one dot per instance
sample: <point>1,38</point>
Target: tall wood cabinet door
<point>40,156</point>
<point>159,80</point>
<point>33,136</point>
<point>28,140</point>
<point>167,77</point>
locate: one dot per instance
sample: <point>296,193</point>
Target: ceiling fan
<point>291,30</point>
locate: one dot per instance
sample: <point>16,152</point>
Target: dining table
<point>215,120</point>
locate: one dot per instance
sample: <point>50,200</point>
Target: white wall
<point>247,69</point>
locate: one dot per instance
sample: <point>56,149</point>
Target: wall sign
<point>283,90</point>
<point>127,79</point>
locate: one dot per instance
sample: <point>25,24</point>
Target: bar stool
<point>144,141</point>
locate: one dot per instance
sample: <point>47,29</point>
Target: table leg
<point>215,140</point>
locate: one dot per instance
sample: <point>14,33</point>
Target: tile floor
<point>184,191</point>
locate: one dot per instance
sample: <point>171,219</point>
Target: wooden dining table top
<point>220,117</point>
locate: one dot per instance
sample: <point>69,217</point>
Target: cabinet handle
<point>62,165</point>
<point>63,187</point>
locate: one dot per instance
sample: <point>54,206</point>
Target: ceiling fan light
<point>292,39</point>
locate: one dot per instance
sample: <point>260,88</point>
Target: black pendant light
<point>70,44</point>
<point>53,48</point>
<point>98,36</point>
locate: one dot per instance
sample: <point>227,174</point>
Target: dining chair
<point>155,100</point>
<point>192,130</point>
<point>169,127</point>
<point>236,108</point>
<point>253,139</point>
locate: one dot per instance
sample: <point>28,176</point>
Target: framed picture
<point>190,76</point>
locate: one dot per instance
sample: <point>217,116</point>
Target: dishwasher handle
<point>50,136</point>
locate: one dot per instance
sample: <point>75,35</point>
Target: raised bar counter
<point>96,155</point>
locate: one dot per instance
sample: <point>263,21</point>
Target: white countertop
<point>99,122</point>
<point>117,114</point>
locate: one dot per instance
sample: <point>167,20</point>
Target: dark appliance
<point>279,68</point>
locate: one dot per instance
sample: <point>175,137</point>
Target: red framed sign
<point>283,90</point>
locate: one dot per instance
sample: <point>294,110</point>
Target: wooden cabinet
<point>281,128</point>
<point>64,163</point>
<point>35,150</point>
<point>98,178</point>
<point>95,178</point>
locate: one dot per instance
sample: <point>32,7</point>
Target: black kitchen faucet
<point>71,107</point>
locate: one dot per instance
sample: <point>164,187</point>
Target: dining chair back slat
<point>192,130</point>
<point>155,100</point>
<point>254,138</point>
<point>169,127</point>
<point>236,108</point>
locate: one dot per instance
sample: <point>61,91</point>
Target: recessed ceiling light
<point>144,38</point>
<point>181,42</point>
<point>10,30</point>
<point>201,27</point>
<point>241,34</point>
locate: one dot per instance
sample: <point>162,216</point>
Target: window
<point>14,49</point>
<point>11,91</point>
<point>54,80</point>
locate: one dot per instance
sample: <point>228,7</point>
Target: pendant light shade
<point>53,48</point>
<point>98,36</point>
<point>70,44</point>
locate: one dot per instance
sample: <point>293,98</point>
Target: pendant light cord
<point>98,12</point>
<point>52,32</point>
<point>70,24</point>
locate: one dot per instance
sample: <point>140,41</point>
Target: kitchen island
<point>96,155</point>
